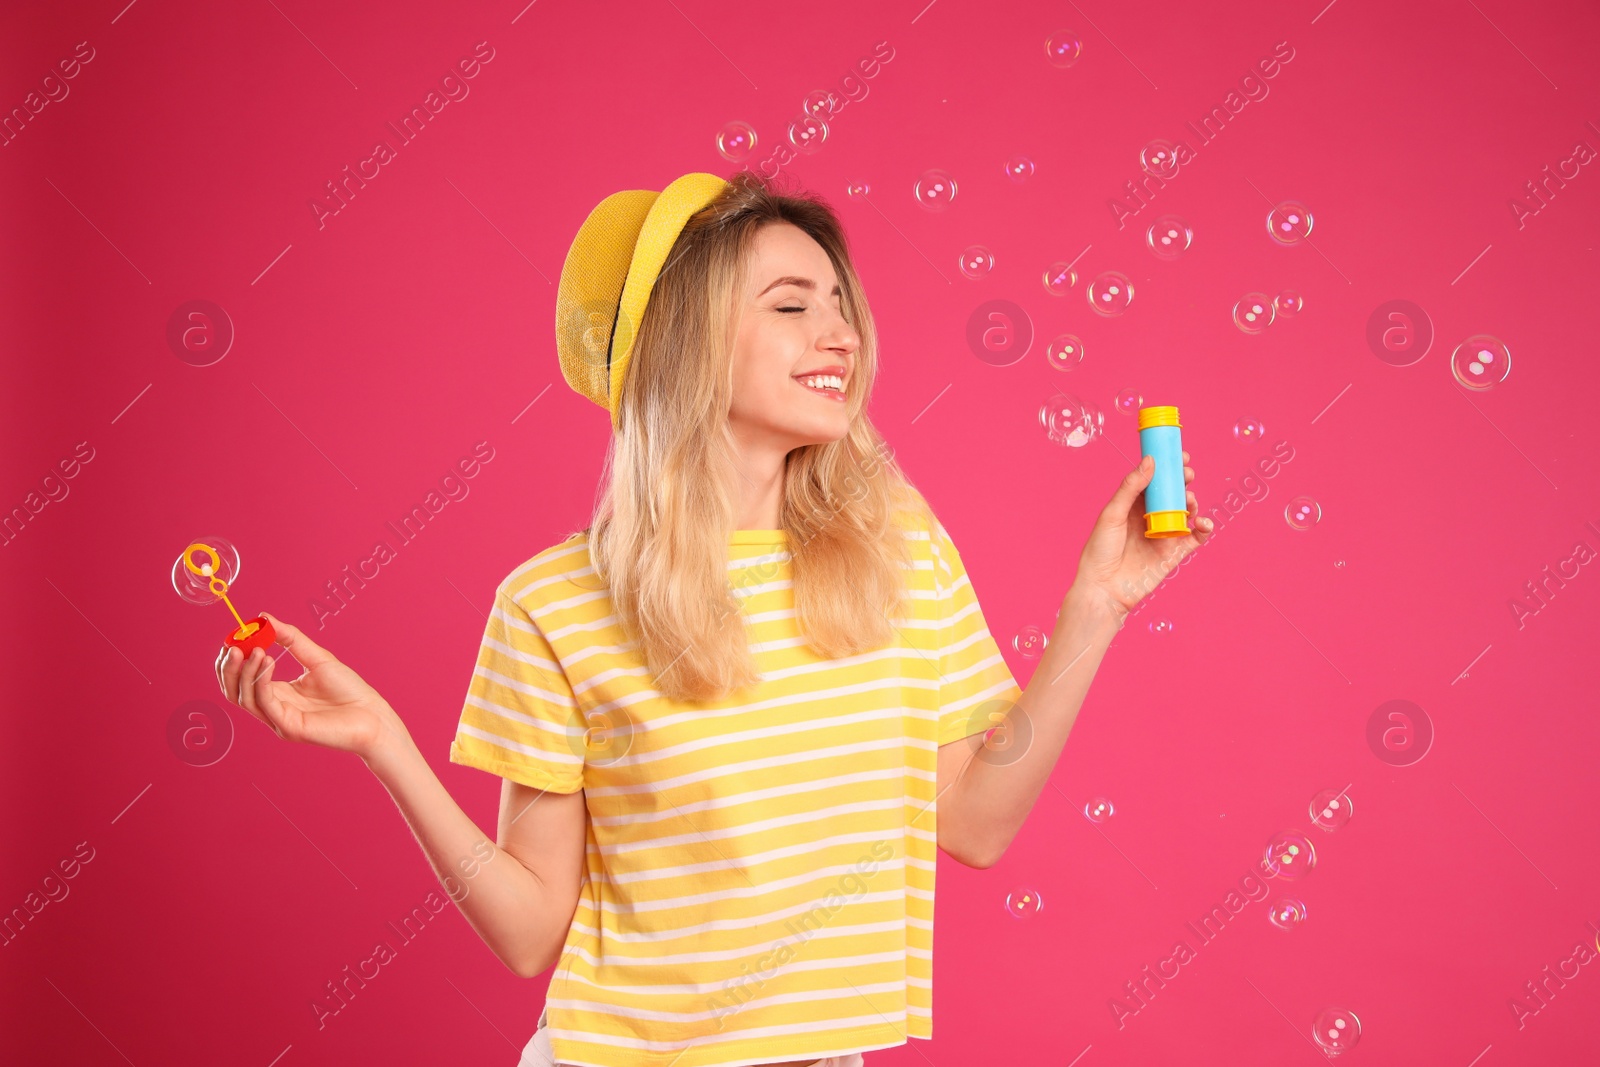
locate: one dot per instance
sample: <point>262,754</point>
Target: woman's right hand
<point>328,705</point>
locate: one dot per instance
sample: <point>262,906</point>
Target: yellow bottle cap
<point>1166,524</point>
<point>1161,415</point>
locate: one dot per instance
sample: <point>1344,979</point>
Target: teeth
<point>824,381</point>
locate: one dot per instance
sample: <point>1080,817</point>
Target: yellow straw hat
<point>606,281</point>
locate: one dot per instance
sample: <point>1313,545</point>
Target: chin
<point>816,435</point>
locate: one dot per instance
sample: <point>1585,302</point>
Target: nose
<point>842,336</point>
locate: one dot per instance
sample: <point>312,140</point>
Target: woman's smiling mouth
<point>825,382</point>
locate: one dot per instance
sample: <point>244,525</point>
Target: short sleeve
<point>521,719</point>
<point>973,675</point>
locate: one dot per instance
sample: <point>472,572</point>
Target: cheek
<point>763,373</point>
<point>759,351</point>
<point>775,391</point>
<point>760,390</point>
<point>746,371</point>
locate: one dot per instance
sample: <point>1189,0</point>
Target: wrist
<point>1086,600</point>
<point>392,748</point>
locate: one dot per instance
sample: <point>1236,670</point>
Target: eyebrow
<point>790,279</point>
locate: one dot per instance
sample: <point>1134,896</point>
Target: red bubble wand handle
<point>252,633</point>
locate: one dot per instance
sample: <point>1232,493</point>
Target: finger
<point>247,677</point>
<point>1201,526</point>
<point>216,668</point>
<point>1186,456</point>
<point>1188,475</point>
<point>230,673</point>
<point>232,682</point>
<point>306,651</point>
<point>1132,485</point>
<point>266,699</point>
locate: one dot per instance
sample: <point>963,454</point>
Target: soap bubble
<point>1336,1030</point>
<point>1058,278</point>
<point>1289,223</point>
<point>1289,303</point>
<point>1160,626</point>
<point>1069,421</point>
<point>194,583</point>
<point>1098,809</point>
<point>1065,352</point>
<point>1330,809</point>
<point>1129,401</point>
<point>1159,158</point>
<point>1030,641</point>
<point>1481,362</point>
<point>1302,513</point>
<point>1063,49</point>
<point>818,102</point>
<point>1019,168</point>
<point>1253,313</point>
<point>857,188</point>
<point>1023,902</point>
<point>1249,428</point>
<point>976,262</point>
<point>1290,856</point>
<point>1286,913</point>
<point>807,134</point>
<point>736,141</point>
<point>1110,293</point>
<point>934,190</point>
<point>1169,237</point>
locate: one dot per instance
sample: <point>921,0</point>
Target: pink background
<point>373,353</point>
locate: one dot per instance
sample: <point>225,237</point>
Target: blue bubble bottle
<point>1166,500</point>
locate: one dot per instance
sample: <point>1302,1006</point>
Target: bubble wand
<point>251,634</point>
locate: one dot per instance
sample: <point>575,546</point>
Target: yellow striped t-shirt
<point>760,871</point>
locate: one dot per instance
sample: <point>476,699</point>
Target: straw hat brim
<point>610,271</point>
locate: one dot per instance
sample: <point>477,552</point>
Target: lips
<point>836,370</point>
<point>832,394</point>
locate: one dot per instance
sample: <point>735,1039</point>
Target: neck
<point>760,489</point>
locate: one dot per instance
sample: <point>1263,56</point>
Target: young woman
<point>737,716</point>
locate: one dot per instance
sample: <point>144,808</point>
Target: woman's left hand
<point>1119,563</point>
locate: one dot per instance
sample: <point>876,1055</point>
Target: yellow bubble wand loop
<point>218,587</point>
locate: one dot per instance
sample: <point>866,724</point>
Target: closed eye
<point>791,309</point>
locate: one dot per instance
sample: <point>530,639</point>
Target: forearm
<point>502,900</point>
<point>996,789</point>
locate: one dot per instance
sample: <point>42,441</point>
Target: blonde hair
<point>659,535</point>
